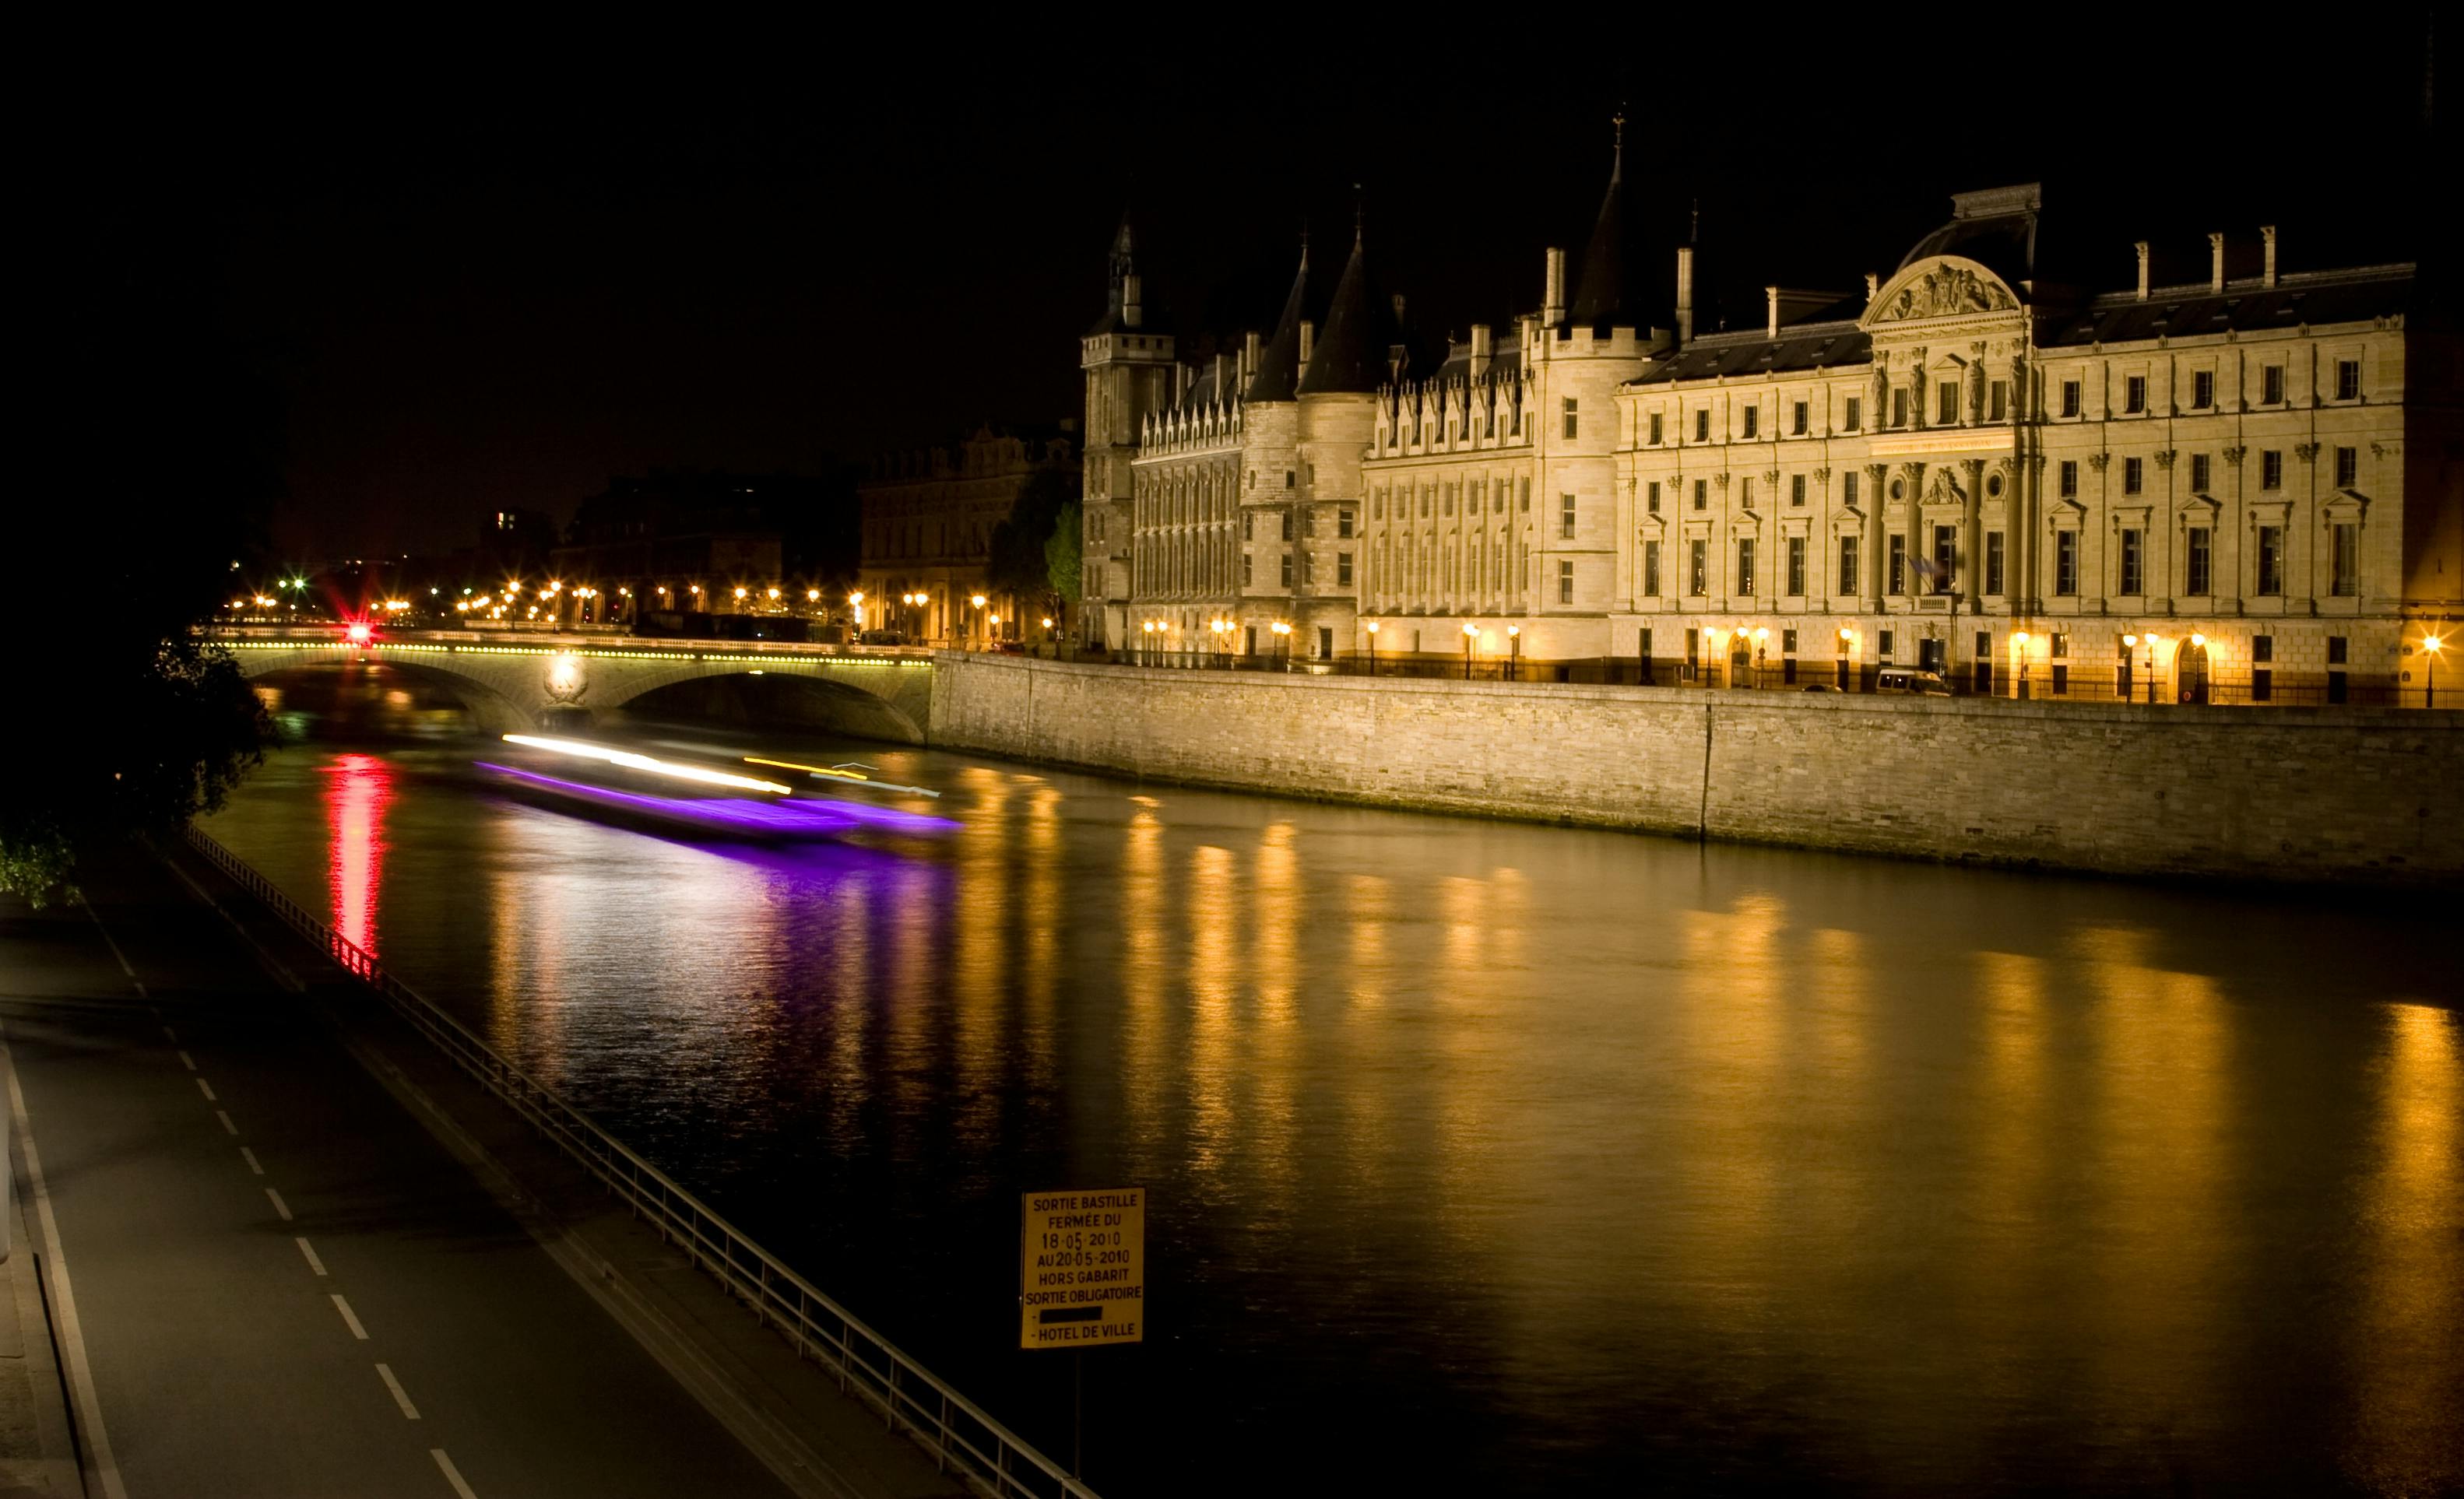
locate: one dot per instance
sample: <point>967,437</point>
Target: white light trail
<point>650,762</point>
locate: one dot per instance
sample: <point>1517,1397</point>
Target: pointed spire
<point>1351,354</point>
<point>1279,367</point>
<point>1600,296</point>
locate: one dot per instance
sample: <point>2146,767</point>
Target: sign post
<point>1081,1279</point>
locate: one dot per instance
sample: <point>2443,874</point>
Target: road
<point>280,1283</point>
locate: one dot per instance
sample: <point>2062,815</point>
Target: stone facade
<point>928,522</point>
<point>2281,793</point>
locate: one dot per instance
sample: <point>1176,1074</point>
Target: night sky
<point>457,291</point>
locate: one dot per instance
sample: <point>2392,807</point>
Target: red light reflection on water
<point>356,796</point>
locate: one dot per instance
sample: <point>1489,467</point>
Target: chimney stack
<point>1248,357</point>
<point>1309,330</point>
<point>1398,309</point>
<point>1873,287</point>
<point>2215,262</point>
<point>1771,296</point>
<point>1130,300</point>
<point>1552,301</point>
<point>1685,293</point>
<point>1482,349</point>
<point>2268,234</point>
<point>2142,248</point>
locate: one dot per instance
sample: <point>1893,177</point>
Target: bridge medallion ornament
<point>567,681</point>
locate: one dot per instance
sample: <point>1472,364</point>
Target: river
<point>1486,1156</point>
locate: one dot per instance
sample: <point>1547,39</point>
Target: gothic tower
<point>1129,367</point>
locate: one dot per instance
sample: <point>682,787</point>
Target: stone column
<point>1878,480</point>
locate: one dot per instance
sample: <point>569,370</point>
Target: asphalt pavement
<point>270,1278</point>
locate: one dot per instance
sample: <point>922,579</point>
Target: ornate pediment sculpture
<point>1945,291</point>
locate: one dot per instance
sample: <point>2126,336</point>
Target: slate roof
<point>1122,264</point>
<point>1600,286</point>
<point>1278,368</point>
<point>1352,352</point>
<point>2344,296</point>
<point>1800,346</point>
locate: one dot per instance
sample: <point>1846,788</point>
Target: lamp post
<point>1514,653</point>
<point>2151,668</point>
<point>1372,647</point>
<point>978,601</point>
<point>1847,655</point>
<point>1471,635</point>
<point>1761,635</point>
<point>1284,641</point>
<point>2020,641</point>
<point>855,611</point>
<point>2430,648</point>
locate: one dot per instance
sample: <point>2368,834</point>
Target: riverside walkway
<point>286,1251</point>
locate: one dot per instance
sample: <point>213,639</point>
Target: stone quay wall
<point>2278,794</point>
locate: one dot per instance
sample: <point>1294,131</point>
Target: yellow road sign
<point>1082,1269</point>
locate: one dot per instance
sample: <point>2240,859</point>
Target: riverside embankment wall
<point>2273,794</point>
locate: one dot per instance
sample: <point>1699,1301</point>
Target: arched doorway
<point>2190,671</point>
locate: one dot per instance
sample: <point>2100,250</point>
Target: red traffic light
<point>360,633</point>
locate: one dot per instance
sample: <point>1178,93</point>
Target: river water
<point>1497,1158</point>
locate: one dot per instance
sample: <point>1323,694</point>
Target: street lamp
<point>1372,647</point>
<point>2020,641</point>
<point>978,601</point>
<point>1761,634</point>
<point>1515,652</point>
<point>1471,635</point>
<point>2430,648</point>
<point>1284,641</point>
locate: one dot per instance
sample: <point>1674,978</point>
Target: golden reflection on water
<point>2162,1181</point>
<point>1733,1065</point>
<point>1271,1128</point>
<point>1143,957</point>
<point>1046,908</point>
<point>1214,995</point>
<point>2408,1348</point>
<point>978,964</point>
<point>852,915</point>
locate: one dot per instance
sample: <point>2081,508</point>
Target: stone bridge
<point>512,681</point>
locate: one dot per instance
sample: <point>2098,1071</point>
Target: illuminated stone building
<point>929,515</point>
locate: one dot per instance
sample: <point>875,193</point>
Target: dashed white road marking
<point>167,1031</point>
<point>186,1060</point>
<point>250,1156</point>
<point>229,1128</point>
<point>113,945</point>
<point>453,1474</point>
<point>409,1412</point>
<point>207,1089</point>
<point>314,1263</point>
<point>350,1320</point>
<point>279,1206</point>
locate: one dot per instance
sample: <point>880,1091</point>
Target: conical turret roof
<point>1353,352</point>
<point>1278,368</point>
<point>1600,291</point>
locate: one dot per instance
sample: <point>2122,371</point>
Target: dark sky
<point>466,289</point>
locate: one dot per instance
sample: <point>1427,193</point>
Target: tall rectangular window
<point>1655,430</point>
<point>2348,379</point>
<point>1745,567</point>
<point>1855,415</point>
<point>1848,488</point>
<point>1570,423</point>
<point>2134,394</point>
<point>1565,517</point>
<point>2347,560</point>
<point>1850,585</point>
<point>2271,560</point>
<point>1754,417</point>
<point>1797,567</point>
<point>1703,426</point>
<point>1994,562</point>
<point>1288,524</point>
<point>1287,570</point>
<point>1245,570</point>
<point>1946,552</point>
<point>1651,569</point>
<point>2203,389</point>
<point>1565,582</point>
<point>1900,406</point>
<point>1698,578</point>
<point>2134,475</point>
<point>2199,473</point>
<point>1343,521</point>
<point>1343,568</point>
<point>2070,398</point>
<point>2196,560</point>
<point>2270,385</point>
<point>2348,468</point>
<point>1654,497</point>
<point>2133,561</point>
<point>1746,492</point>
<point>1701,494</point>
<point>1997,400</point>
<point>1947,404</point>
<point>2066,563</point>
<point>1899,563</point>
<point>2070,479</point>
<point>1523,493</point>
<point>1796,488</point>
<point>1797,420</point>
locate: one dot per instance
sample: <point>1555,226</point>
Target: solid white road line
<point>187,1061</point>
<point>409,1412</point>
<point>229,1128</point>
<point>348,1320</point>
<point>250,1156</point>
<point>207,1089</point>
<point>453,1474</point>
<point>108,943</point>
<point>279,1206</point>
<point>65,1326</point>
<point>272,965</point>
<point>314,1263</point>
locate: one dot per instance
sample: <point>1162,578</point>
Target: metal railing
<point>958,1432</point>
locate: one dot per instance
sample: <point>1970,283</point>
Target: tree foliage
<point>1062,554</point>
<point>1018,563</point>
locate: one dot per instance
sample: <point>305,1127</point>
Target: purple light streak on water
<point>794,818</point>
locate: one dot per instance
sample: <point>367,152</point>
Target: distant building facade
<point>2246,489</point>
<point>929,515</point>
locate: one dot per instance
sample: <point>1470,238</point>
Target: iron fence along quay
<point>960,1436</point>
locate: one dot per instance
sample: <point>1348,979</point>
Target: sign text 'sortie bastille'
<point>1082,1269</point>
